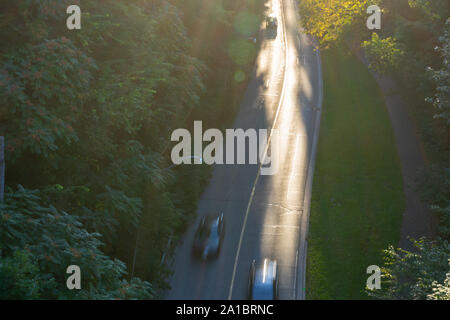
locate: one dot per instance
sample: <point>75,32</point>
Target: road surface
<point>266,215</point>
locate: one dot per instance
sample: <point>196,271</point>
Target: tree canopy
<point>87,116</point>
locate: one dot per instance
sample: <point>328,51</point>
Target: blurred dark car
<point>263,281</point>
<point>209,236</point>
<point>271,23</point>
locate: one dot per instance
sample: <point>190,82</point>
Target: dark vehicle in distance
<point>271,23</point>
<point>209,236</point>
<point>263,280</point>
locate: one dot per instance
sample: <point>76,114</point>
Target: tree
<point>19,276</point>
<point>328,20</point>
<point>433,9</point>
<point>441,291</point>
<point>87,115</point>
<point>54,240</point>
<point>384,55</point>
<point>441,78</point>
<point>415,275</point>
<point>434,186</point>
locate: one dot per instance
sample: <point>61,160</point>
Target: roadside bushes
<point>38,242</point>
<point>420,275</point>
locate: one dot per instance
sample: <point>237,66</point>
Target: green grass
<point>357,199</point>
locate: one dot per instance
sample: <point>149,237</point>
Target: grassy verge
<point>357,199</point>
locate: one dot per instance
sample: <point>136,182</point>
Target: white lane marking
<point>280,103</point>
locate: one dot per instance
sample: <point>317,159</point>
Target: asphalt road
<point>264,214</point>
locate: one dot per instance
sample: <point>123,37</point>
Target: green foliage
<point>405,48</point>
<point>384,55</point>
<point>435,189</point>
<point>55,240</point>
<point>418,27</point>
<point>87,118</point>
<point>433,9</point>
<point>19,276</point>
<point>415,275</point>
<point>38,84</point>
<point>441,78</point>
<point>92,112</point>
<point>440,291</point>
<point>329,20</point>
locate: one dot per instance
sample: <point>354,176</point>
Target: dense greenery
<point>421,28</point>
<point>383,54</point>
<point>413,48</point>
<point>328,21</point>
<point>87,117</point>
<point>423,274</point>
<point>44,242</point>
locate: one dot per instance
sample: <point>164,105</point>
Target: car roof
<point>211,217</point>
<point>266,272</point>
<point>208,222</point>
